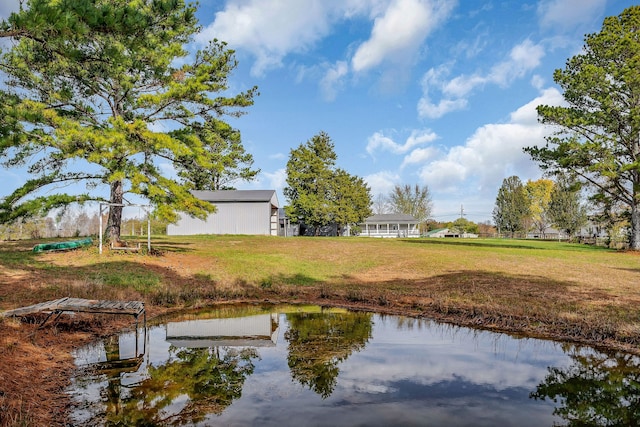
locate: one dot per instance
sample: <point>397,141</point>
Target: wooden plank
<point>35,308</point>
<point>80,305</point>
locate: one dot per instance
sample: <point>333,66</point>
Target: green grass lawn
<point>541,287</point>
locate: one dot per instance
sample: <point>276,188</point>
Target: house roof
<point>236,195</point>
<point>391,218</point>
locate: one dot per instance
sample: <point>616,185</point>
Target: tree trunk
<point>634,239</point>
<point>115,212</point>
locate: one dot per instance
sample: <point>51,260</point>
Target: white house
<point>237,212</point>
<point>390,225</point>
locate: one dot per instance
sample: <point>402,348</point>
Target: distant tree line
<point>71,223</point>
<point>537,206</point>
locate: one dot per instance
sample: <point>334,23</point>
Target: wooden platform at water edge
<point>80,305</point>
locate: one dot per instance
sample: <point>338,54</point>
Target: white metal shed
<point>238,212</point>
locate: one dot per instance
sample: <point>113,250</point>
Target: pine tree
<point>598,130</point>
<point>89,87</point>
<point>320,194</point>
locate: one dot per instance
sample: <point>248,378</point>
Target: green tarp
<point>62,246</point>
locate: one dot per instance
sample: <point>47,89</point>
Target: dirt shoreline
<point>37,363</point>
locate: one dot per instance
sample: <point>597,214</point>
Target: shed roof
<point>391,218</point>
<point>236,195</point>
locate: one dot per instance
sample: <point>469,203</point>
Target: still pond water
<point>308,366</point>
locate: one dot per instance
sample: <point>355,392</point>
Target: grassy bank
<point>548,289</point>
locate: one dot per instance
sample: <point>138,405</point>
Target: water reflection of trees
<point>206,380</point>
<point>596,390</point>
<point>318,342</point>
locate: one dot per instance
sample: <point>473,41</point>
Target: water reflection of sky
<point>410,372</point>
<point>426,375</point>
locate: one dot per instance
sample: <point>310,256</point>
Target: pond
<point>305,365</point>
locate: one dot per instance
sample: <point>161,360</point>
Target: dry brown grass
<point>551,290</point>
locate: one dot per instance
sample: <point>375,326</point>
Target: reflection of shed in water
<point>253,331</point>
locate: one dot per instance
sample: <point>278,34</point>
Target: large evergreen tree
<point>89,86</point>
<point>598,136</point>
<point>320,194</point>
<point>227,163</point>
<point>352,199</point>
<point>511,206</point>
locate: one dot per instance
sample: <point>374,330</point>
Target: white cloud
<point>537,81</point>
<point>333,80</point>
<point>158,126</point>
<point>523,58</point>
<point>378,141</point>
<point>382,182</point>
<point>434,78</point>
<point>277,180</point>
<point>400,30</point>
<point>420,156</point>
<point>461,86</point>
<point>272,29</point>
<point>269,30</point>
<point>492,153</point>
<point>445,174</point>
<point>433,111</point>
<point>563,15</point>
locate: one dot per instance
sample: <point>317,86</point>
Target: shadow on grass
<point>524,296</point>
<point>509,244</point>
<point>173,247</point>
<point>34,280</point>
<point>632,270</point>
<point>163,244</point>
<point>293,279</point>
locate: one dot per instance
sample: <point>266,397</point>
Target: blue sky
<point>432,92</point>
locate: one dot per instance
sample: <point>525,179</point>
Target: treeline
<point>74,223</point>
<point>557,208</point>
